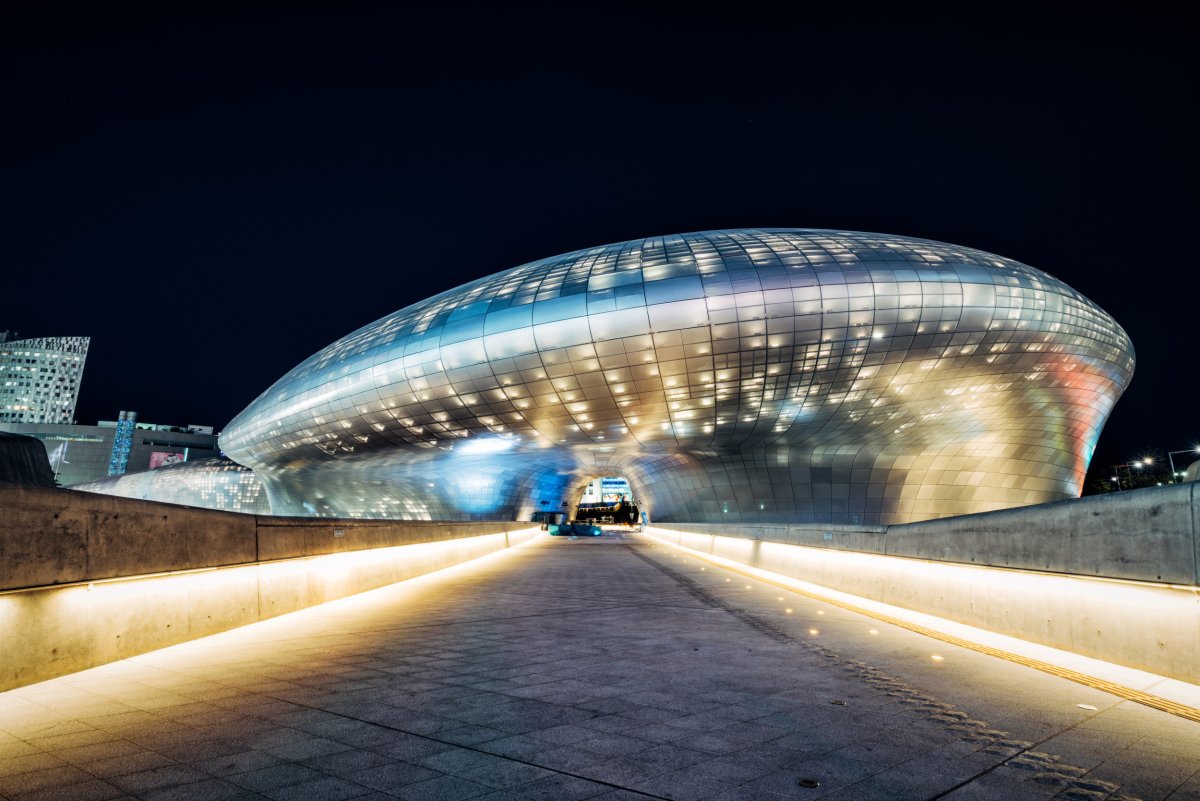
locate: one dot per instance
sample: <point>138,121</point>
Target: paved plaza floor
<point>569,669</point>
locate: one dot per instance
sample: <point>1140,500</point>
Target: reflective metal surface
<point>758,375</point>
<point>208,483</point>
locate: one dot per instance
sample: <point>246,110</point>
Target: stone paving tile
<point>900,784</point>
<point>744,793</point>
<point>239,762</point>
<point>48,778</point>
<point>442,788</point>
<point>520,746</point>
<point>457,761</point>
<point>35,761</point>
<point>410,747</point>
<point>207,790</point>
<point>1188,791</point>
<point>562,788</point>
<point>306,749</point>
<point>589,669</point>
<point>568,758</point>
<point>609,724</point>
<point>661,733</point>
<point>92,790</point>
<point>197,751</point>
<point>669,757</point>
<point>682,785</point>
<point>471,735</point>
<point>612,744</point>
<point>158,778</point>
<point>621,771</point>
<point>393,776</point>
<point>326,789</point>
<point>274,777</point>
<point>63,742</point>
<point>506,774</point>
<point>882,750</point>
<point>346,762</point>
<point>11,747</point>
<point>125,764</point>
<point>830,771</point>
<point>738,768</point>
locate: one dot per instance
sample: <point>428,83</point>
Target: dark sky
<point>212,197</point>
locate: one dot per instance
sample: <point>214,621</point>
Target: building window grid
<point>53,368</point>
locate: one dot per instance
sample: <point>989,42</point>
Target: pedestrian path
<point>564,669</point>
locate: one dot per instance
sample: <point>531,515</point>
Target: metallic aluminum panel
<point>751,375</point>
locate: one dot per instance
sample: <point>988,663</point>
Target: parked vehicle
<point>573,529</point>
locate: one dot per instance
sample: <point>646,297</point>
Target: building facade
<point>80,454</point>
<point>39,379</point>
<point>752,375</point>
<point>607,489</point>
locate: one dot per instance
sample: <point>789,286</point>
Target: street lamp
<point>1171,458</point>
<point>1137,465</point>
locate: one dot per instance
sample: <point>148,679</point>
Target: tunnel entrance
<point>607,501</point>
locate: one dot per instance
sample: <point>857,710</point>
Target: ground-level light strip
<point>813,592</point>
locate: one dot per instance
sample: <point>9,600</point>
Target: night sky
<point>214,197</point>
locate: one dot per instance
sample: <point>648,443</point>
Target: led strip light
<point>1113,688</point>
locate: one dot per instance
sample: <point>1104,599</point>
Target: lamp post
<point>1136,465</point>
<point>1171,459</point>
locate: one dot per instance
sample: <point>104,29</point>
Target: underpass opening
<point>608,501</point>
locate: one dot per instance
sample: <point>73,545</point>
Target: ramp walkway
<point>608,668</point>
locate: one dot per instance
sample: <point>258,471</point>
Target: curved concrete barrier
<point>1112,577</point>
<point>87,579</point>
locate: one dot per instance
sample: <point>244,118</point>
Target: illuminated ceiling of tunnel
<point>750,375</point>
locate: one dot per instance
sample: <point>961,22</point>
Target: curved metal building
<point>754,375</point>
<point>213,483</point>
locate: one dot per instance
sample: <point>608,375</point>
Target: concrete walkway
<point>570,669</point>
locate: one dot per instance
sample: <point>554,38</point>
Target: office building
<point>39,379</point>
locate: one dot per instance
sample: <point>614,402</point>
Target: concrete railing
<point>1149,534</point>
<point>1111,577</point>
<point>86,579</point>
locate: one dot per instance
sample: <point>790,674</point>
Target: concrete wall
<point>76,572</point>
<point>52,536</point>
<point>1149,534</point>
<point>1120,579</point>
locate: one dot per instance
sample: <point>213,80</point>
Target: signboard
<point>160,459</point>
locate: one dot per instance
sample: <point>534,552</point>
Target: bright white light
<point>486,445</point>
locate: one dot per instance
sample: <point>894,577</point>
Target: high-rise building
<point>39,378</point>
